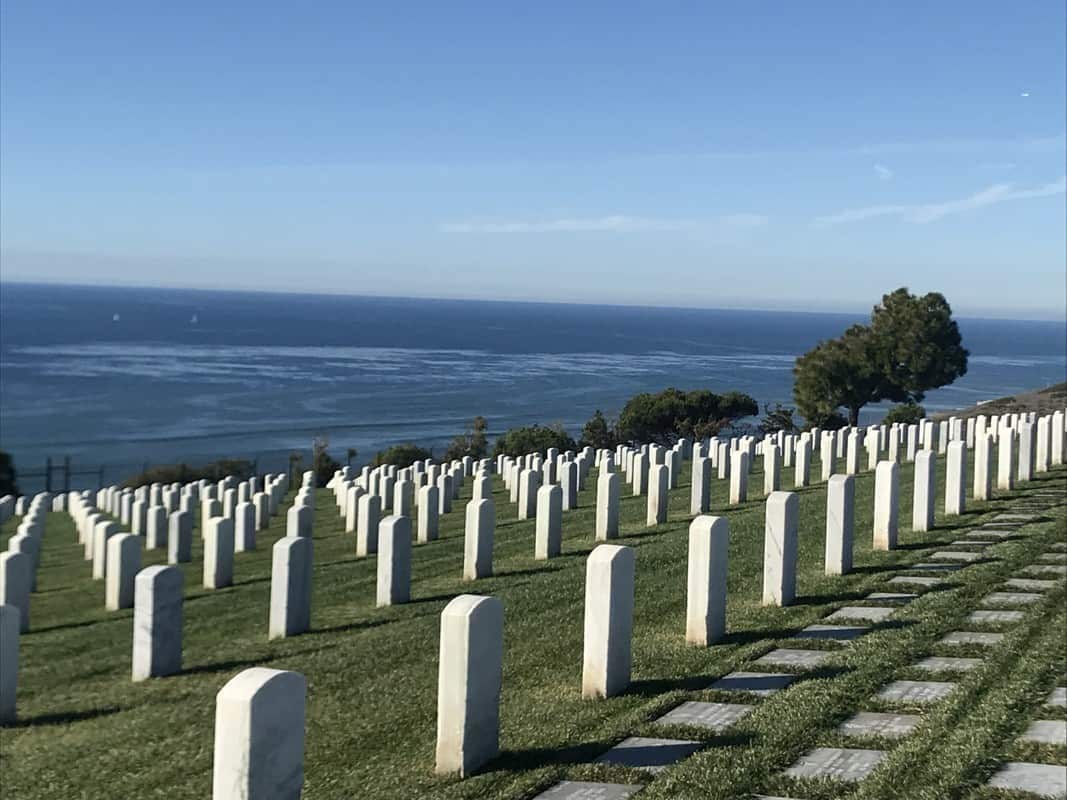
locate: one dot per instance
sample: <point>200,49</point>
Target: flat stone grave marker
<point>1058,546</point>
<point>713,716</point>
<point>943,664</point>
<point>990,534</point>
<point>874,723</point>
<point>891,597</point>
<point>1053,558</point>
<point>1010,599</point>
<point>874,613</point>
<point>928,567</point>
<point>994,617</point>
<point>1030,584</point>
<point>1046,731</point>
<point>804,659</point>
<point>1058,697</point>
<point>1014,517</point>
<point>958,555</point>
<point>652,755</point>
<point>761,683</point>
<point>583,790</point>
<point>836,763</point>
<point>915,692</point>
<point>972,543</point>
<point>915,580</point>
<point>1044,569</point>
<point>1047,780</point>
<point>839,633</point>
<point>971,637</point>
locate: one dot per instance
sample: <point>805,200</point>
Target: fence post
<point>48,474</point>
<point>101,479</point>
<point>66,474</point>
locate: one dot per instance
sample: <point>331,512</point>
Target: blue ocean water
<point>120,376</point>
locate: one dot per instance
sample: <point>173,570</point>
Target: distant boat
<point>114,317</point>
<point>194,320</point>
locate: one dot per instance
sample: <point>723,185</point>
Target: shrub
<point>905,414</point>
<point>184,473</point>
<point>599,433</point>
<point>533,439</point>
<point>665,417</point>
<point>474,442</point>
<point>8,475</point>
<point>401,455</point>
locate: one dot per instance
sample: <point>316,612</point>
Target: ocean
<point>116,378</point>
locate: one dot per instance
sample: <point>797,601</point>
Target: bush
<point>533,439</point>
<point>474,442</point>
<point>905,414</point>
<point>8,475</point>
<point>401,455</point>
<point>322,463</point>
<point>665,417</point>
<point>599,433</point>
<point>779,418</point>
<point>184,473</point>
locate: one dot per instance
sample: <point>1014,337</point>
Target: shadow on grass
<point>69,625</point>
<point>63,717</point>
<point>537,757</point>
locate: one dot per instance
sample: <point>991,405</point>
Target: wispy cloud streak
<point>931,212</point>
<point>608,224</point>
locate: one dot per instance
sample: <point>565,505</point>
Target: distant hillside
<point>1040,400</point>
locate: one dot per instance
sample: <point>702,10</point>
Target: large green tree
<point>666,416</point>
<point>911,346</point>
<point>533,439</point>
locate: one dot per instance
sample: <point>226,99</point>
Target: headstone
<point>244,527</point>
<point>840,523</point>
<point>1005,460</point>
<point>569,485</point>
<point>640,474</point>
<point>367,525</point>
<point>886,491</point>
<point>480,523</point>
<point>802,470</point>
<point>259,736</point>
<point>179,537</point>
<point>290,587</point>
<point>772,469</point>
<point>298,522</point>
<point>428,512</point>
<point>1027,446</point>
<point>780,549</point>
<point>10,626</point>
<point>123,564</point>
<point>924,486</point>
<point>607,506</point>
<point>609,606</point>
<point>529,483</point>
<point>549,530</point>
<point>157,623</point>
<point>102,532</point>
<point>218,553</point>
<point>470,672</point>
<point>700,493</point>
<point>155,528</point>
<point>705,619</point>
<point>739,477</point>
<point>983,467</point>
<point>658,483</point>
<point>394,560</point>
<point>955,477</point>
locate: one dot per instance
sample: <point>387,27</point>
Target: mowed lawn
<point>86,730</point>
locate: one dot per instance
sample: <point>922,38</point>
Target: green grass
<point>86,730</point>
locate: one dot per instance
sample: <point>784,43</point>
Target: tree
<point>905,414</point>
<point>665,417</point>
<point>779,418</point>
<point>533,439</point>
<point>322,463</point>
<point>598,433</point>
<point>8,476</point>
<point>474,442</point>
<point>911,346</point>
<point>401,455</point>
<point>350,454</point>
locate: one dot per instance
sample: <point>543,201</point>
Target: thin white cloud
<point>931,212</point>
<point>883,172</point>
<point>609,224</point>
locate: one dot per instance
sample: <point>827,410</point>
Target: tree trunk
<point>854,416</point>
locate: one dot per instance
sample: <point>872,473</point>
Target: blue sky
<point>773,155</point>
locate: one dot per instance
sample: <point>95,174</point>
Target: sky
<point>756,155</point>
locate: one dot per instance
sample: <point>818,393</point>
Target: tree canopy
<point>911,346</point>
<point>905,414</point>
<point>401,455</point>
<point>666,416</point>
<point>598,433</point>
<point>533,439</point>
<point>474,442</point>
